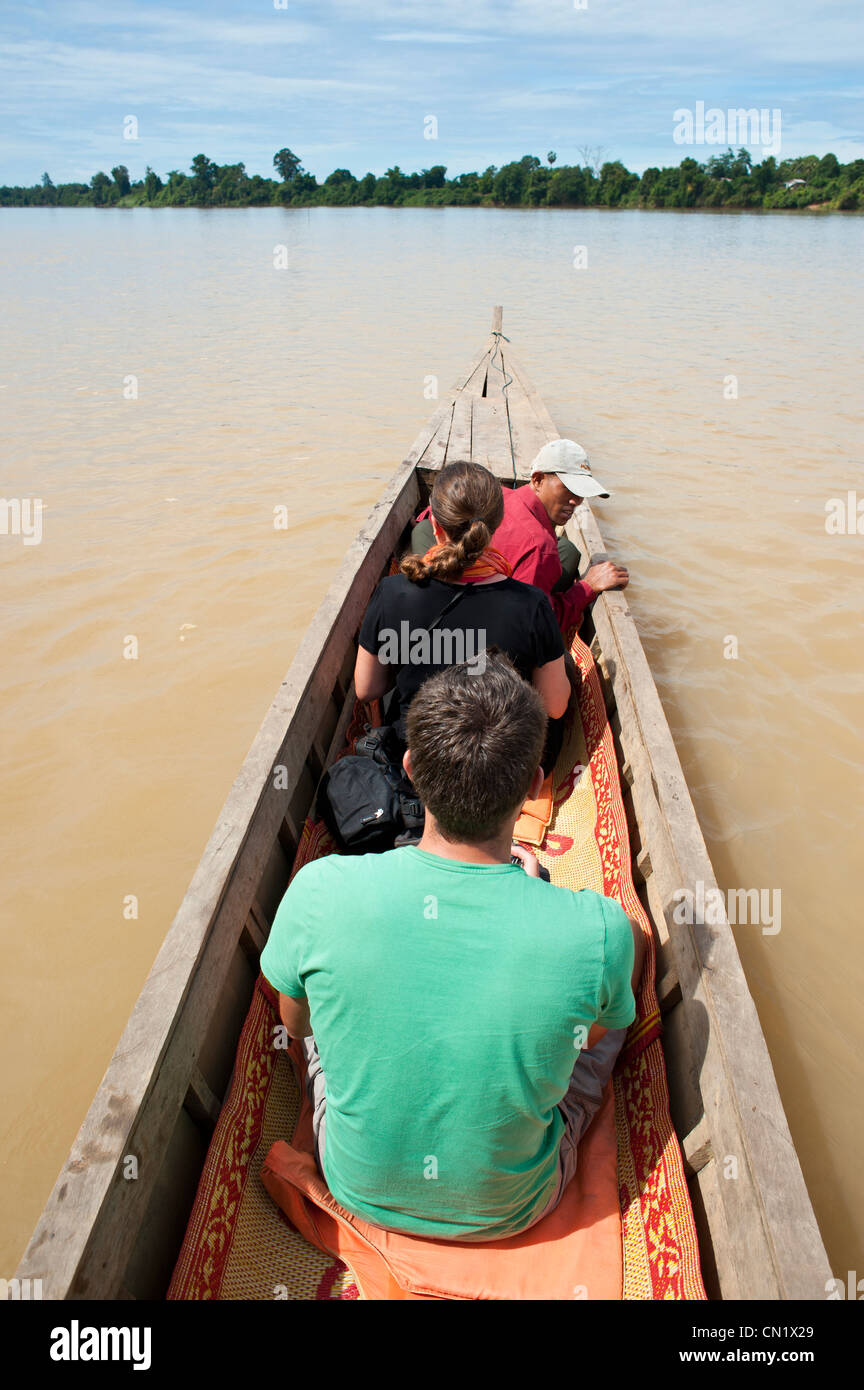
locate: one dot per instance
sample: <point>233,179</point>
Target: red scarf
<point>488,562</point>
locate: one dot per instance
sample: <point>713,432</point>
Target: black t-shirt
<point>515,617</point>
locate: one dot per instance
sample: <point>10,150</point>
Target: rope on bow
<point>508,381</point>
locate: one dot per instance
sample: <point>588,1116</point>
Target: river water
<point>169,377</point>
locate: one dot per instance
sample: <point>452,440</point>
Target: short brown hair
<point>476,742</point>
<point>467,502</point>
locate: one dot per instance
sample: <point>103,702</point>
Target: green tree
<point>463,191</point>
<point>434,177</point>
<point>648,183</point>
<point>152,184</point>
<point>179,190</point>
<point>396,179</point>
<point>827,168</point>
<point>120,175</point>
<point>720,166</point>
<point>662,188</point>
<point>231,184</point>
<point>765,174</point>
<point>392,188</point>
<point>743,163</point>
<point>340,188</point>
<point>536,187</point>
<point>75,195</point>
<point>691,183</point>
<point>287,164</point>
<point>204,172</point>
<point>302,189</point>
<point>512,180</point>
<point>566,188</point>
<point>615,183</point>
<point>104,191</point>
<point>259,190</point>
<point>508,183</point>
<point>803,167</point>
<point>551,157</point>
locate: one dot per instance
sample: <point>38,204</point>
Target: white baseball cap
<point>570,461</point>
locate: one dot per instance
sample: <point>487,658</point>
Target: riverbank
<point>130,204</point>
<point>728,181</point>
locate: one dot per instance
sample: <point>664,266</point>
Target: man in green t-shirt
<point>466,1014</point>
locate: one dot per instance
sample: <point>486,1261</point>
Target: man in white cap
<point>561,478</point>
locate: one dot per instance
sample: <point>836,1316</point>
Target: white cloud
<point>753,32</point>
<point>200,26</point>
<point>821,137</point>
<point>545,101</point>
<point>437,37</point>
<point>69,73</point>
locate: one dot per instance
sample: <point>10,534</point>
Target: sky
<point>352,83</point>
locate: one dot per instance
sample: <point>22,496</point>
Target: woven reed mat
<point>238,1244</point>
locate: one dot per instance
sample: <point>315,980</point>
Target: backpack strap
<point>444,611</point>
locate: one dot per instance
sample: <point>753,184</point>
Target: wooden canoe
<point>102,1236</point>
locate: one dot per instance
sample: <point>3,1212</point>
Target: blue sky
<point>348,83</point>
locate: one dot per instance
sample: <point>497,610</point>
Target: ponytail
<point>467,502</point>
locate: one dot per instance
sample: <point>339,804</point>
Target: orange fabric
<point>376,716</point>
<point>536,815</point>
<point>573,1253</point>
<point>489,562</point>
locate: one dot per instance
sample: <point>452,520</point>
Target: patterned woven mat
<point>587,846</point>
<point>238,1244</point>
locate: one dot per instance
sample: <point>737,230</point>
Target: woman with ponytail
<point>462,539</point>
<point>457,601</point>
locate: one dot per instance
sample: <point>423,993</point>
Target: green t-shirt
<point>449,1002</point>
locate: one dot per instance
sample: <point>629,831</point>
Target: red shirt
<point>526,537</point>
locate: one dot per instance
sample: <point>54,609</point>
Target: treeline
<point>730,180</point>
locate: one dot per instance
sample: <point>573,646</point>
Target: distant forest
<point>727,180</point>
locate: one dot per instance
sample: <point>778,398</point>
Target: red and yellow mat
<point>238,1244</point>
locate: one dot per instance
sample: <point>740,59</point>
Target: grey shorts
<point>584,1097</point>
